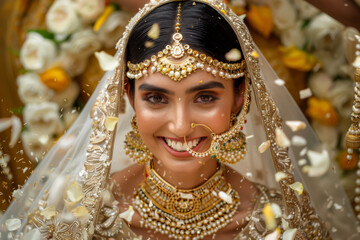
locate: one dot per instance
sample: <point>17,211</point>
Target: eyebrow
<point>149,87</point>
<point>212,84</point>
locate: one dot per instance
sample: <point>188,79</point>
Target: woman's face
<point>165,110</point>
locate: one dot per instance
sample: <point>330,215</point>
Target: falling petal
<point>303,152</point>
<point>284,224</point>
<point>298,187</point>
<point>66,142</point>
<point>5,123</point>
<point>34,234</point>
<point>110,123</point>
<point>81,213</point>
<point>233,55</point>
<point>274,235</point>
<point>281,138</point>
<point>295,125</point>
<point>356,63</point>
<point>254,54</point>
<point>264,146</point>
<point>17,193</point>
<point>106,61</point>
<point>305,93</point>
<point>302,162</point>
<point>149,44</point>
<point>154,31</point>
<point>48,212</point>
<point>279,82</point>
<point>128,214</point>
<point>74,192</point>
<point>338,206</point>
<point>276,210</point>
<point>226,197</point>
<point>320,163</point>
<point>280,176</point>
<point>289,234</point>
<point>298,141</point>
<point>13,224</point>
<point>269,217</point>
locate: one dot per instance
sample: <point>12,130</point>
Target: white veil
<point>84,157</point>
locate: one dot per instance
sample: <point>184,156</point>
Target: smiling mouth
<point>181,146</point>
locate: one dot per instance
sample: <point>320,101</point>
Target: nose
<point>180,121</point>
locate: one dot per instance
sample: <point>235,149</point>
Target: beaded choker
<point>185,214</point>
<point>177,62</point>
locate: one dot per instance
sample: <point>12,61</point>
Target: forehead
<point>195,79</point>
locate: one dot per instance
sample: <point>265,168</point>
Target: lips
<point>180,146</point>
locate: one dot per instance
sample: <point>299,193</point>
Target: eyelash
<point>162,99</point>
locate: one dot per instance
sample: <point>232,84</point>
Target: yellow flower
<point>322,111</point>
<point>297,59</point>
<point>260,18</point>
<point>105,14</point>
<point>56,78</point>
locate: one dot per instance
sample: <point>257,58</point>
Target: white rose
<point>341,96</point>
<point>37,53</point>
<point>112,29</point>
<point>325,32</point>
<point>32,90</point>
<point>89,10</point>
<point>35,144</point>
<point>305,9</point>
<point>43,118</point>
<point>62,18</point>
<point>328,135</point>
<point>320,84</point>
<point>293,35</point>
<point>284,13</point>
<point>74,53</point>
<point>67,97</point>
<point>332,62</point>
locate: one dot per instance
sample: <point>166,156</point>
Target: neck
<point>186,177</point>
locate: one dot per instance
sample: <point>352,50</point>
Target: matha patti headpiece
<point>178,61</point>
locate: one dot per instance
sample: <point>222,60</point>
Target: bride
<point>190,103</point>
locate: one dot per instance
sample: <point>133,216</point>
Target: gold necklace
<point>185,214</point>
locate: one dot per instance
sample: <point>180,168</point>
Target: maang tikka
<point>135,147</point>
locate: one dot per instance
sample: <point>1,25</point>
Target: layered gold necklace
<point>185,214</point>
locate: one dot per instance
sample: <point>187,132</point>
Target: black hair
<point>202,27</point>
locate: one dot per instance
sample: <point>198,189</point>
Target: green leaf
<point>44,33</point>
<point>14,51</point>
<point>17,111</point>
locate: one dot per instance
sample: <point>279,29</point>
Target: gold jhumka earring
<point>353,135</point>
<point>135,147</point>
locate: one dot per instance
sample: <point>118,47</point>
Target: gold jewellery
<point>134,146</point>
<point>177,61</point>
<point>185,214</point>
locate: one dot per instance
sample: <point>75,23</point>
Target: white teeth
<point>180,146</point>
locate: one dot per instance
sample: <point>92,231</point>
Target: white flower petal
<point>13,224</point>
<point>302,162</point>
<point>34,234</point>
<point>74,192</point>
<point>356,63</point>
<point>279,82</point>
<point>281,138</point>
<point>264,146</point>
<point>48,212</point>
<point>226,197</point>
<point>106,61</point>
<point>15,131</point>
<point>154,32</point>
<point>110,123</point>
<point>298,187</point>
<point>289,234</point>
<point>5,123</point>
<point>17,193</point>
<point>274,235</point>
<point>305,93</point>
<point>298,141</point>
<point>280,175</point>
<point>276,209</point>
<point>128,214</point>
<point>233,55</point>
<point>295,125</point>
<point>320,163</point>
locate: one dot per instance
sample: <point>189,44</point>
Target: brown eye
<point>155,99</point>
<point>205,98</point>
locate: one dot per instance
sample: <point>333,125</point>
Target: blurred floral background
<point>49,70</point>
